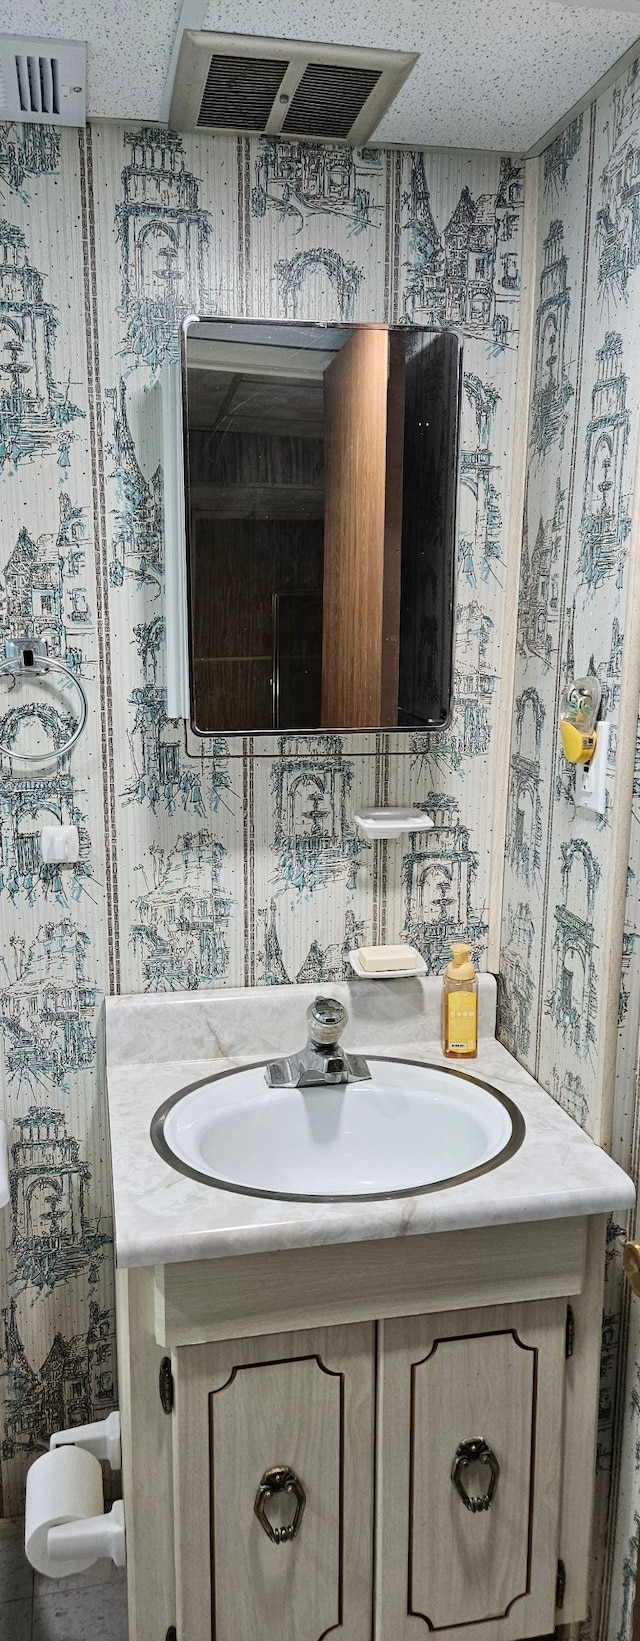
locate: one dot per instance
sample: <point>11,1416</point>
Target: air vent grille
<point>328,100</point>
<point>239,93</point>
<point>241,82</point>
<point>38,84</point>
<point>43,81</point>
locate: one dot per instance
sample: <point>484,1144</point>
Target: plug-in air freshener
<point>579,710</point>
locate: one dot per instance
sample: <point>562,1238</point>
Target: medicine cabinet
<point>310,504</point>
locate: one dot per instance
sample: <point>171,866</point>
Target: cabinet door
<point>448,1562</point>
<point>303,1402</point>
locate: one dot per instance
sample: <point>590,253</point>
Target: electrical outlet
<point>591,778</point>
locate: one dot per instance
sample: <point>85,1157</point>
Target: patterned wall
<point>573,614</point>
<point>622,1322</point>
<point>583,437</point>
<point>197,867</point>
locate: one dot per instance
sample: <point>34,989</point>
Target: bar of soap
<point>378,959</point>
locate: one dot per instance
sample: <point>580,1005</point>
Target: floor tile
<point>102,1572</point>
<point>95,1613</point>
<point>16,1576</point>
<point>15,1620</point>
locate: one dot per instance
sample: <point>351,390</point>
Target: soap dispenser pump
<point>460,1005</point>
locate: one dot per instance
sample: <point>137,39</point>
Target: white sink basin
<point>412,1128</point>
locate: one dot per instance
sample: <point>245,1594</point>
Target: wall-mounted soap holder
<point>391,823</point>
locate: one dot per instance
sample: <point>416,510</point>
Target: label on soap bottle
<point>462,1027</point>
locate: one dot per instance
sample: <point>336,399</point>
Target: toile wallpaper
<point>199,868</point>
<point>583,435</point>
<point>572,618</point>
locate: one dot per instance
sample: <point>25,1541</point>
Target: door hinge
<point>165,1385</point>
<point>561,1584</point>
<point>570,1333</point>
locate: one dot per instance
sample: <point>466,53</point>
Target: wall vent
<point>232,82</point>
<point>239,94</point>
<point>43,82</point>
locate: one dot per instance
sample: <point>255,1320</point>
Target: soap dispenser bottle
<point>460,1005</point>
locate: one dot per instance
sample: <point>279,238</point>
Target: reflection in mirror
<point>321,467</point>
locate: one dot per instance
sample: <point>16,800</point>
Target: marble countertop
<point>157,1045</point>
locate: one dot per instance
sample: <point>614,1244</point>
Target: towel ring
<point>24,656</point>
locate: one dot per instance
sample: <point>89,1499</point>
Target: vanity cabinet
<point>303,1402</point>
<point>301,1408</point>
<point>470,1543</point>
<point>425,1466</point>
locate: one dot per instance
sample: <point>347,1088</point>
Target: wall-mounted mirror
<point>320,498</point>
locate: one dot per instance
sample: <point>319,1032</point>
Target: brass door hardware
<point>280,1479</point>
<point>165,1385</point>
<point>475,1451</point>
<point>631,1265</point>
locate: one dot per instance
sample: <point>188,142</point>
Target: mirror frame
<point>402,730</point>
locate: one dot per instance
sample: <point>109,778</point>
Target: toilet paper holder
<point>78,1542</point>
<point>102,1438</point>
<point>99,1538</point>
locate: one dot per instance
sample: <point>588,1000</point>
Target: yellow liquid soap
<point>460,1005</point>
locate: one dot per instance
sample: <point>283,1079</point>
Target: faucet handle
<point>326,1020</point>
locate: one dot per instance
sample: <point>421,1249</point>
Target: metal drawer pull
<point>280,1479</point>
<point>475,1451</point>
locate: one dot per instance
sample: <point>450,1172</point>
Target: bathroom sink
<point>411,1128</point>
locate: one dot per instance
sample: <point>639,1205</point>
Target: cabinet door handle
<point>475,1451</point>
<point>280,1479</point>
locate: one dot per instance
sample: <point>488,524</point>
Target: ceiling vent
<point>242,83</point>
<point>43,81</point>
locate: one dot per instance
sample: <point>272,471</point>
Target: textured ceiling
<point>491,74</point>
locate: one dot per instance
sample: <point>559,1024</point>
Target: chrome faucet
<point>323,1062</point>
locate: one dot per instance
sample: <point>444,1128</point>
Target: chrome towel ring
<point>27,657</point>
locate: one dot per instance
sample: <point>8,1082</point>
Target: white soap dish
<point>388,974</point>
<point>391,823</point>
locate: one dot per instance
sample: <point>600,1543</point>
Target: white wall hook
<point>60,843</point>
<point>101,1438</point>
<point>99,1538</point>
